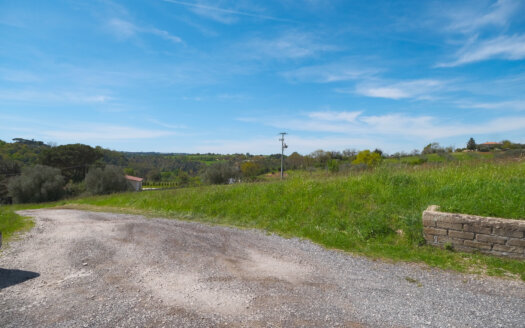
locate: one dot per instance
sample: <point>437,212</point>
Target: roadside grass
<point>375,212</point>
<point>11,223</point>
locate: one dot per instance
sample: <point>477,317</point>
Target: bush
<point>416,160</point>
<point>108,180</point>
<point>37,184</point>
<point>368,158</point>
<point>73,189</point>
<point>220,173</point>
<point>250,170</point>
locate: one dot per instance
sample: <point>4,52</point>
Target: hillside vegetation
<point>375,212</point>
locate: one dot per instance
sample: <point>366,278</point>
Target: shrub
<point>108,180</point>
<point>368,158</point>
<point>333,165</point>
<point>416,160</point>
<point>250,170</point>
<point>73,189</point>
<point>220,173</point>
<point>37,184</point>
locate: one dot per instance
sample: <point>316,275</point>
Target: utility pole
<point>283,146</point>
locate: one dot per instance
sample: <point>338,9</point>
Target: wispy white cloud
<point>91,132</point>
<point>30,96</point>
<point>222,15</point>
<point>124,29</point>
<point>167,125</point>
<point>502,47</point>
<point>300,144</point>
<point>334,72</point>
<point>19,76</point>
<point>394,126</point>
<point>502,105</point>
<point>335,116</point>
<point>473,18</point>
<point>163,34</point>
<point>417,89</point>
<point>290,45</point>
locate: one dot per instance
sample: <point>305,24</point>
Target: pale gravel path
<point>114,270</point>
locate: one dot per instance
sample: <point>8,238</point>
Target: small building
<point>136,182</point>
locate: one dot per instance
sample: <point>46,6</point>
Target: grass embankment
<point>376,213</point>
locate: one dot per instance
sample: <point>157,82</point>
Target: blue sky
<point>228,76</point>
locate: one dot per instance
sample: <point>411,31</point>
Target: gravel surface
<point>86,269</point>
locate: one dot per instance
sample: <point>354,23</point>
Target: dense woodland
<point>73,162</point>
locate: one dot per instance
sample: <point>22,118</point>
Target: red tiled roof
<point>132,178</point>
<point>491,143</point>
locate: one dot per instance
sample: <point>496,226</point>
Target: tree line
<point>31,170</point>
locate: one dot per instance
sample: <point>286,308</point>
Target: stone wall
<point>468,233</point>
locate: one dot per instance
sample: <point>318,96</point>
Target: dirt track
<point>85,269</point>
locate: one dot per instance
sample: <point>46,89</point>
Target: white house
<point>136,182</point>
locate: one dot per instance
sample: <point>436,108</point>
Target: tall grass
<point>377,212</point>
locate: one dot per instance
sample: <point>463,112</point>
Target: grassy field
<point>374,212</point>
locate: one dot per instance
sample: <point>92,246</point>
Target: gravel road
<point>86,269</point>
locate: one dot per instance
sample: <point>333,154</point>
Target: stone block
<point>508,232</point>
<point>435,231</point>
<point>516,242</point>
<point>477,244</point>
<point>491,239</point>
<point>505,248</point>
<point>477,228</point>
<point>428,222</point>
<point>449,225</point>
<point>461,234</point>
<point>447,239</point>
<point>451,218</point>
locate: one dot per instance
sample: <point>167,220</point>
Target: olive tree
<point>111,179</point>
<point>39,183</point>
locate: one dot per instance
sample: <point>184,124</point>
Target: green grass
<point>10,223</point>
<point>376,213</point>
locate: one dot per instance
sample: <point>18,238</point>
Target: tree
<point>220,173</point>
<point>8,169</point>
<point>506,144</point>
<point>154,175</point>
<point>368,158</point>
<point>295,161</point>
<point>37,184</point>
<point>471,144</point>
<point>432,148</point>
<point>321,157</point>
<point>250,170</point>
<point>183,178</point>
<point>73,160</point>
<point>108,180</point>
